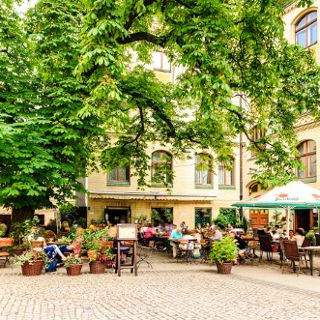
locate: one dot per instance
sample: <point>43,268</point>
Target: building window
<point>160,62</point>
<point>203,216</point>
<point>255,187</point>
<point>226,174</point>
<point>306,30</point>
<point>161,168</point>
<point>307,150</point>
<point>119,175</point>
<point>203,170</point>
<point>257,134</point>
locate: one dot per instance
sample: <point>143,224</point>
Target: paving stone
<point>167,291</point>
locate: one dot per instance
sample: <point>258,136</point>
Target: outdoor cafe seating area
<point>177,243</point>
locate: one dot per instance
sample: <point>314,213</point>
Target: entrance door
<point>116,215</point>
<point>302,219</point>
<point>259,218</point>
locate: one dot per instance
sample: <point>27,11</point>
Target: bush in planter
<point>311,236</point>
<point>31,262</point>
<point>73,264</point>
<point>224,251</point>
<point>95,241</point>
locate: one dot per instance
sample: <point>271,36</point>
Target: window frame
<point>118,181</point>
<point>210,172</point>
<point>153,168</point>
<point>306,27</point>
<point>225,170</point>
<point>307,155</point>
<point>161,64</point>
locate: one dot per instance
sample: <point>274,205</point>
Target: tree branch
<point>141,131</point>
<point>143,36</point>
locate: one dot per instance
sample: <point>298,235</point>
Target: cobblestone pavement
<point>168,291</point>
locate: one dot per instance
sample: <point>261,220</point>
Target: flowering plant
<point>30,257</point>
<point>72,260</point>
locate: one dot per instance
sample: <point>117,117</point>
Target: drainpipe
<point>241,168</point>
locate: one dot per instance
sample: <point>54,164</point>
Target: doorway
<point>302,219</point>
<point>115,215</point>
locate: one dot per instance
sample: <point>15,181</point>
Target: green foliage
<point>92,238</point>
<point>45,146</point>
<point>227,50</point>
<point>223,251</point>
<point>278,219</point>
<point>20,231</point>
<point>226,216</point>
<point>72,260</point>
<point>2,230</point>
<point>30,257</point>
<point>311,236</point>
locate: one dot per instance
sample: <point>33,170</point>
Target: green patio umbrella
<point>293,195</point>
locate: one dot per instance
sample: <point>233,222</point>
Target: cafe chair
<point>145,252</point>
<point>185,250</point>
<point>265,241</point>
<point>293,254</point>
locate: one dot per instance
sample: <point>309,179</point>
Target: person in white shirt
<point>299,237</point>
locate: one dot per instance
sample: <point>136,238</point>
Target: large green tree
<point>45,145</point>
<point>226,49</point>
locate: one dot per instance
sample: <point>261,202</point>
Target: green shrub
<point>223,251</point>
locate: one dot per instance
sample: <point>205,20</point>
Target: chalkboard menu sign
<point>126,231</point>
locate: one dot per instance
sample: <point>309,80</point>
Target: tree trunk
<point>22,214</point>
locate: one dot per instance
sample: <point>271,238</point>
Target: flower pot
<point>33,269</point>
<point>6,242</point>
<point>224,268</point>
<point>74,270</point>
<point>97,267</point>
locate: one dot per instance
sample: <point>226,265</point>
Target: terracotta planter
<point>97,267</point>
<point>33,269</point>
<point>74,270</point>
<point>224,268</point>
<point>6,242</point>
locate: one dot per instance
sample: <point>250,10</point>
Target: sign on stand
<point>127,239</point>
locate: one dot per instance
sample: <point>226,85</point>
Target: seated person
<point>189,245</point>
<point>175,235</point>
<point>299,237</point>
<point>75,245</point>
<point>243,249</point>
<point>183,227</point>
<point>217,234</point>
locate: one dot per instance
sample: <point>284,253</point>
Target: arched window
<point>119,175</point>
<point>257,134</point>
<point>203,170</point>
<point>161,168</point>
<point>226,174</point>
<point>306,29</point>
<point>308,154</point>
<point>255,187</point>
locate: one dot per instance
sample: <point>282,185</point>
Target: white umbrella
<point>295,194</point>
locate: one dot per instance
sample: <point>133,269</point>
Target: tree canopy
<point>45,146</point>
<point>225,49</point>
<point>74,84</point>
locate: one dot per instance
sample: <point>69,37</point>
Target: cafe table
<point>311,250</point>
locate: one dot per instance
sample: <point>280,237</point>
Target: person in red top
<point>149,233</point>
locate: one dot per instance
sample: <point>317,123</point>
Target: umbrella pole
<point>287,219</point>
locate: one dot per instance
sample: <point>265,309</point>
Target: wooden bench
<point>4,254</point>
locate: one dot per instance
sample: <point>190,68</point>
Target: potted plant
<point>311,236</point>
<point>99,259</point>
<point>99,252</point>
<point>31,262</point>
<point>73,264</point>
<point>224,253</point>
